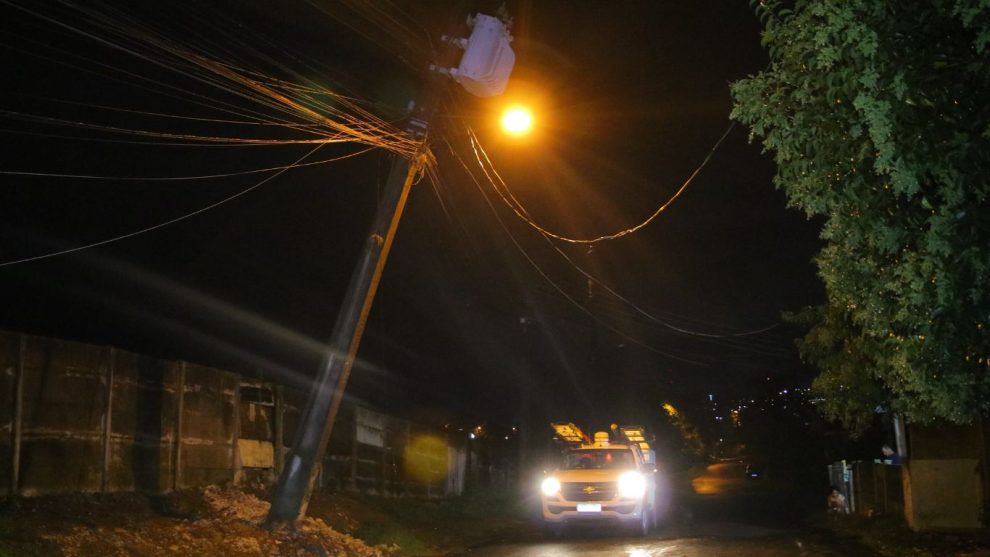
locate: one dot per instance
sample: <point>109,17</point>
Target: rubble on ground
<point>210,521</point>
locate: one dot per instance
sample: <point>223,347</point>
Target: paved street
<point>675,547</point>
<point>723,514</point>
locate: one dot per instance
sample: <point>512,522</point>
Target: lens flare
<point>426,459</point>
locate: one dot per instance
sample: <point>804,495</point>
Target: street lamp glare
<point>517,120</point>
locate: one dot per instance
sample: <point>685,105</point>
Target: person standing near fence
<point>890,456</point>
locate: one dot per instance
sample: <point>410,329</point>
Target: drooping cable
<point>553,284</point>
<point>520,211</point>
<point>299,108</point>
<point>161,224</point>
<point>486,166</point>
<point>727,341</point>
<point>184,178</point>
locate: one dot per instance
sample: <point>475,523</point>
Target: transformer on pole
<point>488,58</point>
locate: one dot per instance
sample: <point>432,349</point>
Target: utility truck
<point>608,479</point>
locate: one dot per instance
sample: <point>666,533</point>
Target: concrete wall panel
<point>209,426</point>
<point>63,385</point>
<point>209,404</point>
<point>143,423</point>
<point>64,400</point>
<point>944,494</point>
<point>206,456</point>
<point>207,476</point>
<point>60,464</point>
<point>8,384</point>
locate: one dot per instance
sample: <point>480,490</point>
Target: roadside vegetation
<point>876,114</point>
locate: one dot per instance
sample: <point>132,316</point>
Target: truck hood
<point>590,475</point>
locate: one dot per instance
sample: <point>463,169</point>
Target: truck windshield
<point>600,459</point>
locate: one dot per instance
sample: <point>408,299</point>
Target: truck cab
<point>611,479</point>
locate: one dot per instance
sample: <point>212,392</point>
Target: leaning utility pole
<point>295,483</point>
<point>484,70</point>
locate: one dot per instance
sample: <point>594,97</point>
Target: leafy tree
<point>851,388</point>
<point>878,116</point>
<point>679,436</point>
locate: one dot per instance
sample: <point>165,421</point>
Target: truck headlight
<point>632,485</point>
<point>550,486</point>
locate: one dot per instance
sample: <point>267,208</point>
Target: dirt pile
<point>211,521</point>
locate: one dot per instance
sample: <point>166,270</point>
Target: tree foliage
<point>878,116</point>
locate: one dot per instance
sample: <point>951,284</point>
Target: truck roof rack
<point>569,433</point>
<point>636,435</point>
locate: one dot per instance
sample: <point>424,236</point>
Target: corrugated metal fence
<point>870,488</point>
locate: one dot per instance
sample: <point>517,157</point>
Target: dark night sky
<point>632,97</point>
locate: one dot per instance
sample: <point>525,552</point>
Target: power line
<point>728,341</point>
<point>521,212</point>
<point>343,120</point>
<point>482,158</point>
<point>557,287</point>
<point>161,224</point>
<point>182,178</point>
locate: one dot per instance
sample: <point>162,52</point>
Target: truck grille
<point>588,491</point>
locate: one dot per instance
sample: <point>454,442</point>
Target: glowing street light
<point>517,120</point>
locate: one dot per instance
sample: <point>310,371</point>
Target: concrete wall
<point>81,418</point>
<point>946,470</point>
<point>9,374</point>
<point>144,417</point>
<point>209,430</point>
<point>945,494</point>
<point>62,411</point>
